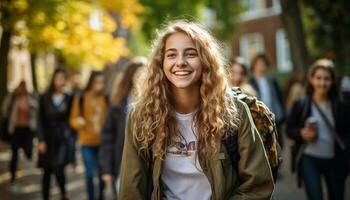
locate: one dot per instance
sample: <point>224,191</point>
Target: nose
<point>181,61</point>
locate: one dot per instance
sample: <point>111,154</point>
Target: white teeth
<point>182,73</point>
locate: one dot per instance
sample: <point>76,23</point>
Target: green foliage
<point>159,11</point>
<point>327,27</point>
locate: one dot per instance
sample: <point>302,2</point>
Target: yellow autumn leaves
<point>80,31</point>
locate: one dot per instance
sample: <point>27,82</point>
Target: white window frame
<point>252,14</point>
<point>244,45</point>
<point>284,62</point>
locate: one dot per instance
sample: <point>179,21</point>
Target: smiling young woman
<point>173,141</point>
<point>319,126</point>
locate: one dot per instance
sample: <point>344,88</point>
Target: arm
<point>5,106</point>
<point>133,180</point>
<point>107,149</point>
<point>75,114</point>
<point>41,120</point>
<point>293,122</point>
<point>253,167</point>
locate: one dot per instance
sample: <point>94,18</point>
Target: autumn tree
<point>65,28</point>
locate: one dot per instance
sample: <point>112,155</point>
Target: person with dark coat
<point>111,151</point>
<point>268,91</point>
<point>319,127</point>
<point>54,132</point>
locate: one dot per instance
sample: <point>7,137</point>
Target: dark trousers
<point>56,168</point>
<point>46,182</point>
<point>90,155</point>
<point>313,169</point>
<point>22,138</point>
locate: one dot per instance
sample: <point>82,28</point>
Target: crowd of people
<point>159,133</point>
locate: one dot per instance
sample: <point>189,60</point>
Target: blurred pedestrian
<point>294,90</point>
<point>123,94</point>
<point>54,132</point>
<point>319,126</point>
<point>268,91</point>
<point>87,117</point>
<point>20,108</point>
<point>173,141</point>
<point>238,74</point>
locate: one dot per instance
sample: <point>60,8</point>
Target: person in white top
<point>173,145</point>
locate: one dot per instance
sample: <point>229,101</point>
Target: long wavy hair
<point>153,113</point>
<point>124,84</point>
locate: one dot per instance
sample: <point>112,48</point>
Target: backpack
<point>265,123</point>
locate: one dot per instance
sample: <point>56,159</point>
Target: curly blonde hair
<point>153,113</point>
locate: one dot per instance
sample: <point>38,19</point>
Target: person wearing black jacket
<point>54,132</point>
<point>111,150</point>
<point>268,91</point>
<point>319,127</point>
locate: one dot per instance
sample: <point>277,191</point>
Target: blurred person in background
<point>268,91</point>
<point>54,132</point>
<point>294,90</point>
<point>87,117</point>
<point>238,74</point>
<point>123,94</point>
<point>20,109</point>
<point>319,126</point>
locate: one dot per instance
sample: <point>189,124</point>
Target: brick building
<point>261,31</point>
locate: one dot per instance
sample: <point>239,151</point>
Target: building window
<point>276,6</point>
<point>250,45</point>
<point>254,9</point>
<point>284,63</point>
<point>254,5</point>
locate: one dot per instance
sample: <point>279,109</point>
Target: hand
<point>42,147</point>
<point>81,122</point>
<point>309,134</point>
<point>107,178</point>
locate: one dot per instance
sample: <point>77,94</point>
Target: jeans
<point>22,138</point>
<point>90,156</point>
<point>313,169</point>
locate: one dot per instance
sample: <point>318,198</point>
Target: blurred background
<point>86,35</point>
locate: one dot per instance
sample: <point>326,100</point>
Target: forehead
<point>179,41</point>
<point>322,72</point>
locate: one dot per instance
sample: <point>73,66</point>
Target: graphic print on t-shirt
<point>182,148</point>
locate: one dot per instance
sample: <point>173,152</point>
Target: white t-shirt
<point>57,99</point>
<point>182,175</point>
<point>323,147</point>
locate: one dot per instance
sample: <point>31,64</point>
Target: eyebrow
<point>187,49</point>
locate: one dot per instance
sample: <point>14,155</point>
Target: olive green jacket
<point>254,172</point>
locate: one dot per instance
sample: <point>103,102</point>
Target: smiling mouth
<point>182,73</point>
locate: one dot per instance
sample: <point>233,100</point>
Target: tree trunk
<point>294,27</point>
<point>32,63</point>
<point>4,51</point>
